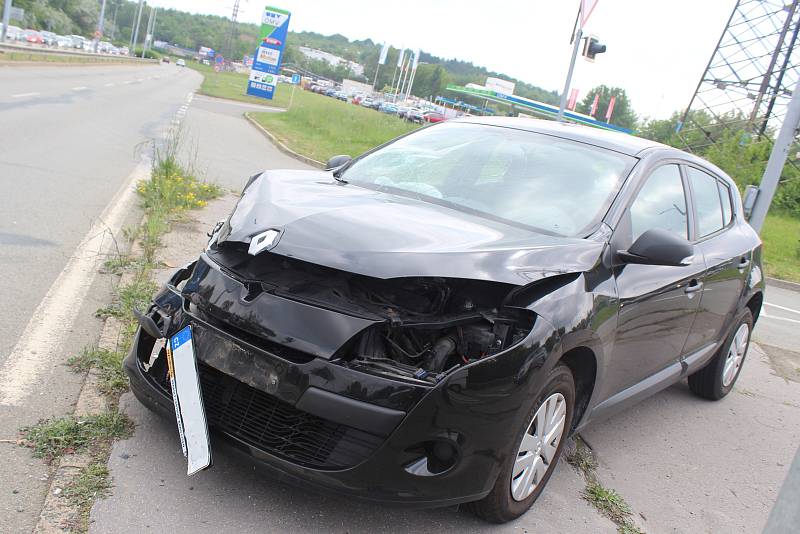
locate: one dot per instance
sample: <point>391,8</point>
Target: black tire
<point>708,382</point>
<point>499,506</point>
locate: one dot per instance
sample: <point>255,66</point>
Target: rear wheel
<point>717,378</point>
<point>539,443</point>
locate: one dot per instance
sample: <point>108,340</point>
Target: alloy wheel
<point>736,353</point>
<point>537,452</point>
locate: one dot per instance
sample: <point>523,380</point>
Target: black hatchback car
<point>427,323</point>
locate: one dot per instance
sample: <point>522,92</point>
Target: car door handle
<point>743,263</point>
<point>693,287</point>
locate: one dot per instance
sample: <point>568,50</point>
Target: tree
<point>623,114</point>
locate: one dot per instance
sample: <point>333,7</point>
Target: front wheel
<point>539,443</point>
<point>717,378</point>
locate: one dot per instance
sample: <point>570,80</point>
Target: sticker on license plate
<point>188,399</point>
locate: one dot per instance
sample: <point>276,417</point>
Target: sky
<point>657,50</point>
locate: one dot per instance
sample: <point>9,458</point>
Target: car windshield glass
<point>534,180</point>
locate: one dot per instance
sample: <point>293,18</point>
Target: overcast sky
<point>657,50</point>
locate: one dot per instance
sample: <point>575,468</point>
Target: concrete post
<point>777,158</point>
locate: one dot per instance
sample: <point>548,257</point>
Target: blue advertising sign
<point>267,59</point>
<point>295,79</point>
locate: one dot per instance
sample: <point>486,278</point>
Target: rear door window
<point>707,202</point>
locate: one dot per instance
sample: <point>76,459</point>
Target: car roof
<point>619,142</point>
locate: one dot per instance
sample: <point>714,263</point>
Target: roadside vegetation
<point>171,191</point>
<point>606,501</point>
<point>315,126</point>
<point>44,57</point>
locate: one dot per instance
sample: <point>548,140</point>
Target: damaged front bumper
<point>320,422</point>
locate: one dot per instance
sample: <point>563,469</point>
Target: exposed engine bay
<point>422,327</point>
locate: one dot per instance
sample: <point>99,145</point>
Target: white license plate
<point>188,399</point>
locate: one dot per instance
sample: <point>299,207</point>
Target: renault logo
<point>263,241</point>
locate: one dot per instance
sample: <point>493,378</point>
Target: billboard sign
<point>267,60</point>
<point>500,85</point>
<point>206,52</point>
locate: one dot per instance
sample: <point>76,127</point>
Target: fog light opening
<point>439,456</point>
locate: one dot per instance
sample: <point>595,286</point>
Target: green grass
<point>320,127</point>
<point>108,364</point>
<point>232,85</point>
<point>316,126</point>
<point>52,438</point>
<point>781,236</point>
<point>92,482</point>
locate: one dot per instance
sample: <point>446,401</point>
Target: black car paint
<point>609,319</point>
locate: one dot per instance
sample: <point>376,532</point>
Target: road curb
<point>283,148</point>
<point>784,284</point>
<point>57,512</point>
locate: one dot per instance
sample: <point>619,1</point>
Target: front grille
<point>274,426</point>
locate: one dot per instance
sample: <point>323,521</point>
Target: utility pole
<point>232,32</point>
<point>6,20</point>
<point>99,33</point>
<point>148,34</point>
<point>135,36</point>
<point>777,158</point>
<point>114,21</point>
<point>577,40</point>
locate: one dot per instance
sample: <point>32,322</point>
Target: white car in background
<point>181,63</point>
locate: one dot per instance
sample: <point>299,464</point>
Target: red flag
<point>594,104</point>
<point>573,100</point>
<point>610,108</point>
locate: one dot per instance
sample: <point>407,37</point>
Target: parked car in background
<point>433,116</point>
<point>330,91</point>
<point>50,38</point>
<point>78,42</point>
<point>63,41</point>
<point>414,115</point>
<point>14,33</point>
<point>340,95</point>
<point>32,37</point>
<point>388,107</point>
<point>367,102</point>
<point>402,110</point>
<point>338,348</point>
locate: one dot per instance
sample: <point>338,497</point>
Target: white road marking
<point>108,85</point>
<point>39,346</point>
<point>23,95</point>
<point>784,308</point>
<point>128,82</point>
<point>80,88</point>
<point>768,316</point>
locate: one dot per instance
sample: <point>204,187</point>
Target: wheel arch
<point>582,362</point>
<point>754,303</point>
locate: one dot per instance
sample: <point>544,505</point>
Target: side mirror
<point>337,161</point>
<point>658,247</point>
<point>749,200</point>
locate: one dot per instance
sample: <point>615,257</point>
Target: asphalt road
<point>70,137</point>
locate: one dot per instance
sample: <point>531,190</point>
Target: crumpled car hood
<point>378,234</point>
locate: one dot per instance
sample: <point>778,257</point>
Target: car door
<point>657,304</point>
<point>727,257</point>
